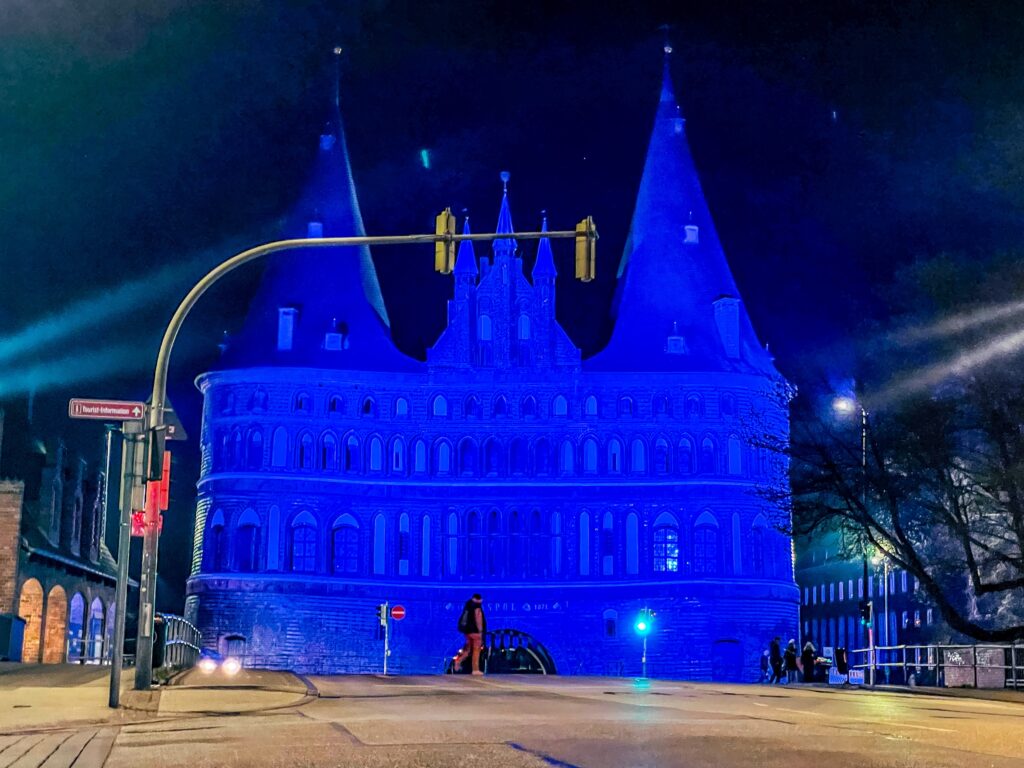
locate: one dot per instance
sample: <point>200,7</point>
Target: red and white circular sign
<point>398,612</point>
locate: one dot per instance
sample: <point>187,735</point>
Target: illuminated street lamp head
<point>643,623</point>
<point>844,405</point>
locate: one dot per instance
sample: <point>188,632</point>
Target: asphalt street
<point>261,719</point>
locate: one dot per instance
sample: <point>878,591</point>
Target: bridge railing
<point>944,665</point>
<point>182,642</point>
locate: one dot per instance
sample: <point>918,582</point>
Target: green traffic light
<point>641,626</point>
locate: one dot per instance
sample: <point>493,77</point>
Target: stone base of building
<point>702,630</point>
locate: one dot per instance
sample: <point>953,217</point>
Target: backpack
<point>465,621</point>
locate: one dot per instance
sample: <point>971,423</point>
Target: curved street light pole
<point>158,401</point>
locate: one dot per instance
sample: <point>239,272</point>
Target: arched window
<point>626,406</point>
<point>420,456</point>
<point>218,541</point>
<point>556,543</point>
<point>493,458</point>
<point>237,457</point>
<point>759,563</point>
<point>728,405</point>
<point>686,456</point>
<point>425,546</point>
<point>494,544</point>
<point>542,456</point>
<point>472,408</point>
<point>611,620</point>
<point>517,547</point>
<point>335,406</point>
<point>303,403</point>
<point>304,457</point>
<point>666,544</point>
<point>735,456</point>
<point>584,543</point>
<point>475,553</point>
<point>352,454</point>
<point>523,327</point>
<point>538,542</point>
<point>607,544</point>
<point>247,542</point>
<point>328,452</point>
<point>345,546</point>
<point>632,544</point>
<point>590,455</point>
<point>302,544</point>
<point>398,456</point>
<point>694,407</point>
<point>376,454</point>
<point>501,406</point>
<point>442,458</point>
<point>467,456</point>
<point>661,456</point>
<point>662,405</point>
<point>567,460</point>
<point>559,406</point>
<point>705,545</point>
<point>638,456</point>
<point>451,549</point>
<point>614,456</point>
<point>273,538</point>
<point>404,544</point>
<point>368,408</point>
<point>529,407</point>
<point>483,328</point>
<point>279,448</point>
<point>401,407</point>
<point>590,406</point>
<point>439,406</point>
<point>707,456</point>
<point>254,450</point>
<point>519,456</point>
<point>379,544</point>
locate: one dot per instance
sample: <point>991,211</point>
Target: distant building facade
<point>338,473</point>
<point>55,570</point>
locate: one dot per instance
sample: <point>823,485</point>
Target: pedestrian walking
<point>472,624</point>
<point>765,676</point>
<point>790,662</point>
<point>775,659</point>
<point>807,659</point>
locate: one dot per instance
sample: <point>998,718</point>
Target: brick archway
<point>55,635</point>
<point>30,608</point>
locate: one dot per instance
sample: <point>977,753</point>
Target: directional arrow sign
<point>106,410</point>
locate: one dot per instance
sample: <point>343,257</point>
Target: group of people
<point>778,666</point>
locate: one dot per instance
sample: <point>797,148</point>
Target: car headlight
<point>207,665</point>
<point>231,666</point>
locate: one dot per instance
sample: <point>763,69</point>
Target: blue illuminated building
<point>339,473</point>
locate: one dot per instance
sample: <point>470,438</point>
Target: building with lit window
<point>339,473</point>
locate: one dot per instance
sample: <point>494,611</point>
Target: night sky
<point>836,142</point>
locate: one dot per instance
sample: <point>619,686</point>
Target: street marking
<point>871,721</point>
<point>554,761</point>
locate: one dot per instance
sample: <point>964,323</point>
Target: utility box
<point>12,632</point>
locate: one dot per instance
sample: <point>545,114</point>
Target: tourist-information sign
<point>106,410</point>
<point>398,612</point>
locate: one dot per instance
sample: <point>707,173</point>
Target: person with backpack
<point>472,624</point>
<point>775,659</point>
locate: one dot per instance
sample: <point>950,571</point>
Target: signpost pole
<point>147,592</point>
<point>131,471</point>
<point>387,647</point>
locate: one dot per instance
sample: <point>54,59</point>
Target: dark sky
<point>141,142</point>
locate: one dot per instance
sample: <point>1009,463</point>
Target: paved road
<point>514,721</point>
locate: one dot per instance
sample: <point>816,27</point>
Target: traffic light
<point>382,613</point>
<point>586,250</point>
<point>644,622</point>
<point>444,251</point>
<point>867,617</point>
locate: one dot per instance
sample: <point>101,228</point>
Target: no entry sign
<point>398,612</point>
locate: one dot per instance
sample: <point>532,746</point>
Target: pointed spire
<point>465,263</point>
<point>545,264</point>
<point>673,268</point>
<point>504,218</point>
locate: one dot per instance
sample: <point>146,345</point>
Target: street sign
<point>856,677</point>
<point>106,410</point>
<point>398,612</point>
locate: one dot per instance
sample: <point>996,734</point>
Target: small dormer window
<point>677,125</point>
<point>286,328</point>
<point>336,339</point>
<point>315,229</point>
<point>692,234</point>
<point>675,344</point>
<point>327,141</point>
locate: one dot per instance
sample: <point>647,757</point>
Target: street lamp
<point>875,560</point>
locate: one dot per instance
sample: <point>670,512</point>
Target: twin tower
<point>339,473</point>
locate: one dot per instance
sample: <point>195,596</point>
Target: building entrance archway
<point>55,632</point>
<point>95,648</point>
<point>511,652</point>
<point>30,608</point>
<point>76,628</point>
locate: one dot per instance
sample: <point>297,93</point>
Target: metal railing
<point>182,642</point>
<point>944,666</point>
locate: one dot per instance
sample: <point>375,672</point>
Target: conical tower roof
<point>465,262</point>
<point>331,288</point>
<point>545,264</point>
<point>673,270</point>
